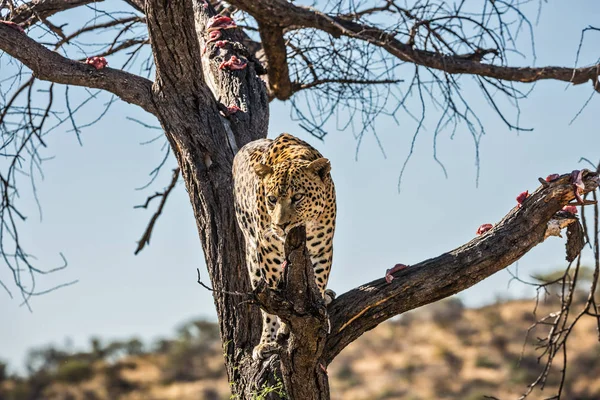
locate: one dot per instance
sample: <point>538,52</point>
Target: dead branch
<point>145,240</point>
<point>275,51</point>
<point>556,327</point>
<point>287,14</point>
<point>300,306</point>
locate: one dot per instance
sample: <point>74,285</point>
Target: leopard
<point>279,184</point>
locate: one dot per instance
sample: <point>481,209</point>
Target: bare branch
<point>138,5</point>
<point>317,82</point>
<point>275,52</point>
<point>364,308</point>
<point>145,240</point>
<point>287,14</point>
<point>50,66</point>
<point>38,10</point>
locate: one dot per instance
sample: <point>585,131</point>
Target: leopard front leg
<point>268,343</point>
<point>268,267</point>
<point>320,248</point>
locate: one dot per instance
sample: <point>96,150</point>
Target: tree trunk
<point>192,95</point>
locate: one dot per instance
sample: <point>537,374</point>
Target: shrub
<point>483,361</point>
<point>3,371</point>
<point>74,371</point>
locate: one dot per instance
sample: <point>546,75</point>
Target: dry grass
<point>439,352</point>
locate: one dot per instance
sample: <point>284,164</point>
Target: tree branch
<point>50,66</point>
<point>303,86</point>
<point>145,240</point>
<point>138,5</point>
<point>289,15</point>
<point>365,307</point>
<point>275,51</point>
<point>30,13</point>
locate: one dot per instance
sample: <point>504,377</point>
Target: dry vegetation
<point>442,351</point>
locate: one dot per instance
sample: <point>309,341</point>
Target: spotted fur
<point>278,185</point>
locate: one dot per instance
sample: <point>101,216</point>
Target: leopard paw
<point>262,350</point>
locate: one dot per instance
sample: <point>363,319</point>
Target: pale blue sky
<point>88,194</point>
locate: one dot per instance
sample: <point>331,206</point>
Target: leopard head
<point>295,192</point>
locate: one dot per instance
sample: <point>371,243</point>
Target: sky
<point>89,191</point>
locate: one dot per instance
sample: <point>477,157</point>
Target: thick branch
<point>289,15</point>
<point>50,66</point>
<point>365,307</point>
<point>275,51</point>
<point>192,89</point>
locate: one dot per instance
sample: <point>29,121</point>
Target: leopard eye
<point>272,199</point>
<point>297,197</point>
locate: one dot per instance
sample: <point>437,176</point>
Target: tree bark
<point>365,307</point>
<point>190,98</point>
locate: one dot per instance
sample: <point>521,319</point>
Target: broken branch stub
<point>298,303</point>
<point>297,296</point>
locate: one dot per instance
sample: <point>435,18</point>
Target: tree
<point>211,91</point>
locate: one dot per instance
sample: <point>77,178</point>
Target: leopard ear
<point>320,166</point>
<point>262,170</point>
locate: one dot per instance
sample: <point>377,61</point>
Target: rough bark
<point>204,142</point>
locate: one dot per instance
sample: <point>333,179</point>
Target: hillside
<point>442,351</point>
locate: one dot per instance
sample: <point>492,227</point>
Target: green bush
<point>483,361</point>
<point>3,371</point>
<point>186,356</point>
<point>74,371</point>
<point>134,347</point>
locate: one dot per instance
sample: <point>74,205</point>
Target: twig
<point>145,240</point>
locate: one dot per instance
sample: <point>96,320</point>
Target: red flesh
<point>388,274</point>
<point>97,62</point>
<point>484,228</point>
<point>522,196</point>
